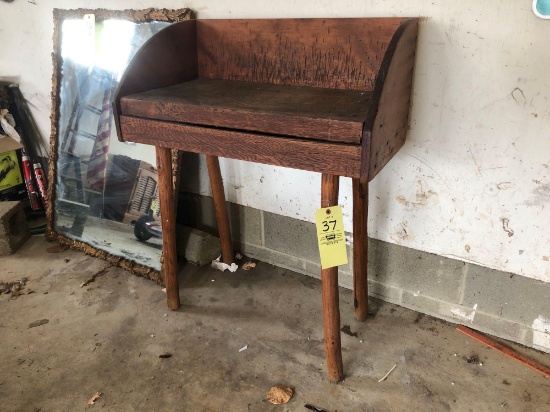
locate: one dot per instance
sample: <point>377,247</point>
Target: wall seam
<point>262,228</point>
<point>462,289</point>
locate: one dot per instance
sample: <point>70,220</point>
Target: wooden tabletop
<point>305,112</point>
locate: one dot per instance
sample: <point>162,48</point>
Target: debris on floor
<point>65,372</point>
<point>13,288</point>
<point>383,378</point>
<point>238,256</point>
<point>472,358</point>
<point>218,264</point>
<point>57,248</point>
<point>165,356</point>
<point>347,330</point>
<point>38,323</point>
<point>249,265</point>
<point>505,350</point>
<point>94,398</point>
<point>245,347</point>
<point>279,395</point>
<point>313,408</point>
<point>99,273</point>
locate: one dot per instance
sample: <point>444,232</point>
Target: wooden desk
<point>326,95</point>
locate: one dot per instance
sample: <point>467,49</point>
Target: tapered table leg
<point>221,208</point>
<point>329,283</point>
<point>360,248</point>
<point>168,219</point>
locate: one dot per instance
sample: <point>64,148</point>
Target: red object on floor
<point>505,351</point>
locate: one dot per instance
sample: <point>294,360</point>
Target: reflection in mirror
<point>106,192</point>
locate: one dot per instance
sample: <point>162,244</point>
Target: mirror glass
<point>106,192</point>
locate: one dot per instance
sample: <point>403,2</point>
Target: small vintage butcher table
<point>325,95</point>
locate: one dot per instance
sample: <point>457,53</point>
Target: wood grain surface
<point>256,90</point>
<point>167,58</point>
<point>330,296</point>
<point>220,205</point>
<point>333,53</point>
<point>168,222</point>
<point>317,113</point>
<point>336,158</point>
<point>390,126</point>
<point>360,249</point>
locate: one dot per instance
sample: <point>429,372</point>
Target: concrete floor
<point>108,336</point>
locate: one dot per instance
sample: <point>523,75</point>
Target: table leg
<point>168,220</point>
<point>221,208</point>
<point>360,248</point>
<point>329,283</point>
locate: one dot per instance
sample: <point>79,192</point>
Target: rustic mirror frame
<point>137,16</point>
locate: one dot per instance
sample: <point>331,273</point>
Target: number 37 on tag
<point>331,237</point>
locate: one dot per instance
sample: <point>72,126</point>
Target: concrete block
<point>425,304</point>
<point>287,262</point>
<point>385,292</point>
<point>291,236</point>
<point>273,257</point>
<point>198,212</point>
<point>196,246</point>
<point>451,312</point>
<point>313,269</point>
<point>345,279</point>
<point>389,264</point>
<point>253,251</point>
<point>472,316</point>
<point>246,223</point>
<point>511,297</point>
<point>296,238</point>
<point>503,328</point>
<point>415,271</point>
<point>14,230</point>
<point>347,269</point>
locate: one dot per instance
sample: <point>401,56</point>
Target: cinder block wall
<point>502,304</point>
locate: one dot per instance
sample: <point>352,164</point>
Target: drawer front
<point>333,158</point>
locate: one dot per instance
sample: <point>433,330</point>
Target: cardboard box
<point>12,183</point>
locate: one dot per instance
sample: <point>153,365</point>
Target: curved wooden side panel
<point>167,58</point>
<point>385,129</point>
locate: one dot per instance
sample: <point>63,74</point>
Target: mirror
<point>103,193</point>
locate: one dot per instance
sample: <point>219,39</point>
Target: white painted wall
<point>476,163</point>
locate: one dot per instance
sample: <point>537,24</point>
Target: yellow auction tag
<point>331,237</point>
